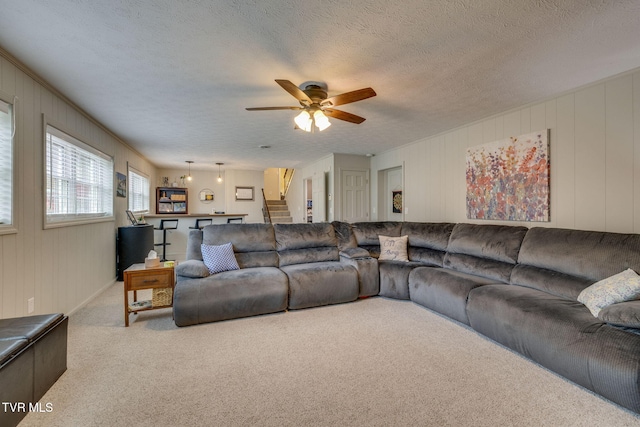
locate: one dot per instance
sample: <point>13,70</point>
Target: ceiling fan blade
<point>349,97</point>
<point>343,115</point>
<point>295,91</point>
<point>272,108</point>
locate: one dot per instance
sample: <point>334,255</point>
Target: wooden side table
<point>137,278</point>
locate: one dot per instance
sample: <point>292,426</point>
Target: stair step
<point>281,220</point>
<point>278,208</point>
<point>276,202</point>
<point>280,213</point>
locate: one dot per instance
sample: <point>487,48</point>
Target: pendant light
<point>189,176</point>
<point>219,176</point>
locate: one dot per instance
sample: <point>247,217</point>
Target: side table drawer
<point>160,279</point>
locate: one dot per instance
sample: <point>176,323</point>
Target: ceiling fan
<point>316,106</point>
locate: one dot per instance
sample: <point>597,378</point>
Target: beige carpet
<point>376,362</point>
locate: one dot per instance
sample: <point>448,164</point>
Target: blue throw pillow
<point>219,258</point>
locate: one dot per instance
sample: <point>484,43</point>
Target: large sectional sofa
<point>514,285</point>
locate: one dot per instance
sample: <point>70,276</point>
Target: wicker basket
<point>161,296</point>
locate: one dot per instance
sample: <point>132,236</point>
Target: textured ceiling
<point>172,78</point>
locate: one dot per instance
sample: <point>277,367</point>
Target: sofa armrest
<point>355,253</point>
<point>368,273</point>
<point>192,268</point>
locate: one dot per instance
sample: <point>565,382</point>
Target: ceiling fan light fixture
<point>321,120</point>
<point>304,121</point>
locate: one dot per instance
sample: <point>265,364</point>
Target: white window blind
<point>79,179</point>
<point>138,191</point>
<point>6,163</point>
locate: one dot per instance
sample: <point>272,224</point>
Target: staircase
<point>279,211</point>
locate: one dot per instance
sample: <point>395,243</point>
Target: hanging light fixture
<point>189,176</point>
<point>305,120</point>
<point>321,121</point>
<point>219,176</point>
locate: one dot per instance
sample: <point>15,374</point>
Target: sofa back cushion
<point>366,234</point>
<point>427,241</point>
<point>304,243</point>
<point>254,245</point>
<point>563,262</point>
<point>344,235</point>
<point>489,251</point>
<point>194,242</point>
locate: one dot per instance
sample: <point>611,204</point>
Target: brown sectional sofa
<point>516,286</point>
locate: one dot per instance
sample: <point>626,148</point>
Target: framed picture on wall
<point>121,187</point>
<point>396,199</point>
<point>245,193</point>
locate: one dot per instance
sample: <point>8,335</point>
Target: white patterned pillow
<point>624,286</point>
<point>219,258</point>
<point>393,248</point>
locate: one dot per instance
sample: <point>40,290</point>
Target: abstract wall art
<point>509,179</point>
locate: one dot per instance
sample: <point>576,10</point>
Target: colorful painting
<point>509,179</point>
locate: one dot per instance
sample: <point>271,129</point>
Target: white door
<point>355,196</point>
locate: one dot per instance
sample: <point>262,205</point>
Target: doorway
<point>390,194</point>
<point>307,185</point>
<point>355,195</point>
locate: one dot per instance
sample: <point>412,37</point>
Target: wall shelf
<point>172,201</point>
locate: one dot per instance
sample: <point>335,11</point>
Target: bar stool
<point>230,220</point>
<point>201,223</point>
<point>165,224</point>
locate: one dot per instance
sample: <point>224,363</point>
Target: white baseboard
<point>91,297</point>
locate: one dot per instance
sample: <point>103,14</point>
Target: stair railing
<point>287,178</point>
<point>265,209</point>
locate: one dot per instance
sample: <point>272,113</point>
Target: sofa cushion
<point>254,244</point>
<point>394,278</point>
<point>354,253</point>
<point>591,255</point>
<point>484,250</point>
<point>229,295</point>
<point>344,235</point>
<point>219,258</point>
<point>556,332</point>
<point>194,241</point>
<point>552,282</point>
<point>306,243</point>
<point>427,241</point>
<point>393,248</point>
<point>444,291</point>
<point>626,314</point>
<point>366,233</point>
<point>621,287</point>
<point>427,234</point>
<point>321,283</point>
<point>495,242</point>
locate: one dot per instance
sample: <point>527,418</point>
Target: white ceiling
<point>173,78</point>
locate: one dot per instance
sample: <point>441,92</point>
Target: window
<point>6,165</point>
<point>138,191</point>
<point>79,180</point>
